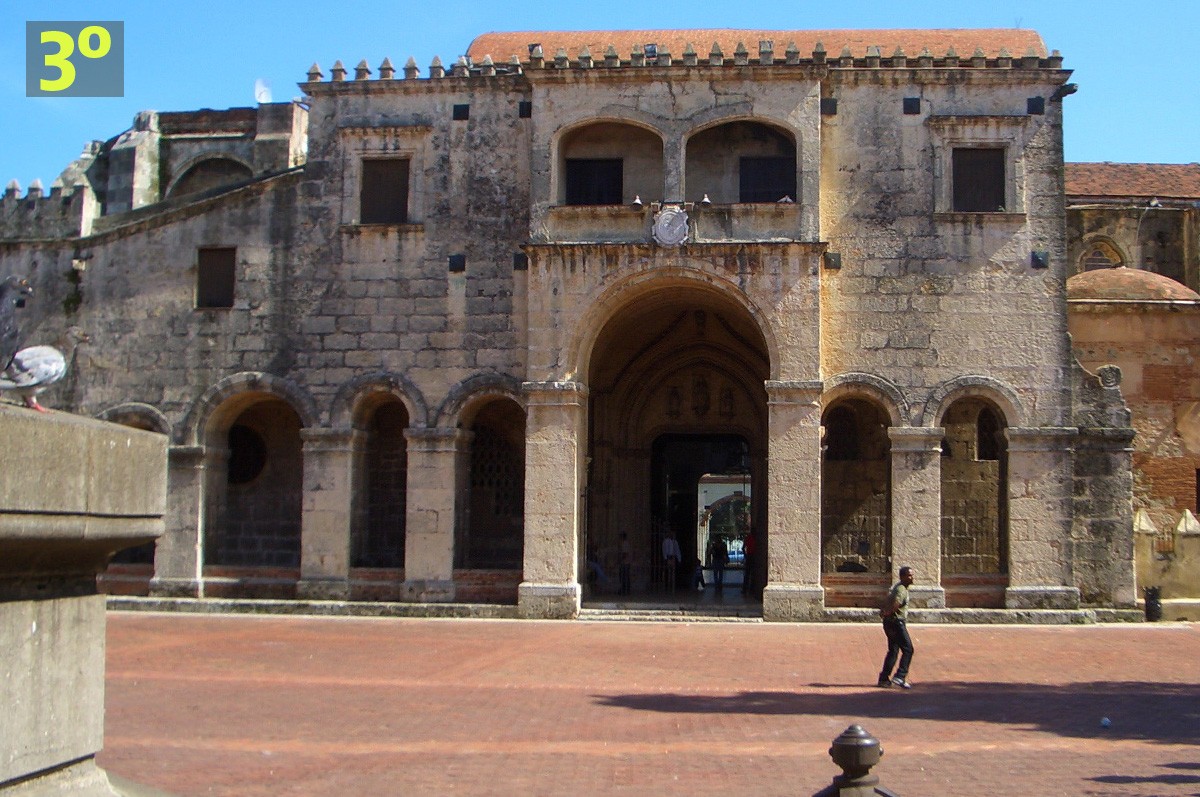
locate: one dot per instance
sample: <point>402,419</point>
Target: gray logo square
<point>74,59</point>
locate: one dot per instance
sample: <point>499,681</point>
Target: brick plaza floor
<point>246,706</point>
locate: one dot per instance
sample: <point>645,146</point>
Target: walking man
<point>895,616</point>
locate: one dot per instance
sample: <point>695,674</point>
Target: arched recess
<point>676,376</point>
<point>200,414</point>
<point>608,163</point>
<point>974,488</point>
<point>991,390</point>
<point>856,500</point>
<point>208,173</point>
<point>741,161</point>
<point>254,481</point>
<point>1100,252</point>
<point>491,529</point>
<point>380,505</point>
<point>149,419</point>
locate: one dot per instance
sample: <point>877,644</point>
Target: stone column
<point>430,521</point>
<point>1040,479</point>
<point>327,513</point>
<point>179,553</point>
<point>917,511</point>
<point>672,171</point>
<point>555,439</point>
<point>793,590</point>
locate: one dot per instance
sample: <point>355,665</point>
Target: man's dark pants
<point>900,644</point>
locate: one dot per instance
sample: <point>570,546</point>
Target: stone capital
<point>1040,438</point>
<point>916,439</point>
<point>807,393</point>
<point>565,393</point>
<point>438,438</point>
<point>316,439</point>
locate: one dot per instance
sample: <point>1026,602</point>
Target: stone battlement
<point>64,212</point>
<point>765,55</point>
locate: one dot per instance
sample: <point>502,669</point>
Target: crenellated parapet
<point>537,57</point>
<point>41,215</point>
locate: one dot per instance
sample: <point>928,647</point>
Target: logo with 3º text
<point>74,59</point>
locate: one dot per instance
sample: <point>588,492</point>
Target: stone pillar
<point>672,171</point>
<point>793,590</point>
<point>1040,481</point>
<point>327,513</point>
<point>555,439</point>
<point>917,512</point>
<point>430,521</point>
<point>179,553</point>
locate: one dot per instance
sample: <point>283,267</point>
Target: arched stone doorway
<point>380,510</point>
<point>856,503</point>
<point>974,487</point>
<point>677,391</point>
<point>255,472</point>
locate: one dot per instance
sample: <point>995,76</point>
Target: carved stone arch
<point>1001,395</point>
<point>715,117</point>
<point>137,415</point>
<point>471,390</point>
<point>1100,252</point>
<point>346,408</point>
<point>603,307</point>
<point>634,138</point>
<point>237,168</point>
<point>890,397</point>
<point>610,115</point>
<point>191,430</point>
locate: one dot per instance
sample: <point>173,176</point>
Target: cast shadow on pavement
<point>1136,710</point>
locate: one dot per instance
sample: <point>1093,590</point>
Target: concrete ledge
<point>1041,597</point>
<point>124,603</point>
<point>973,616</point>
<point>548,601</point>
<point>784,603</point>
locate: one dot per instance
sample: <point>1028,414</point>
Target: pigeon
<point>12,295</point>
<point>34,369</point>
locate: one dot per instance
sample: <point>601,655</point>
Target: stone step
<point>667,614</point>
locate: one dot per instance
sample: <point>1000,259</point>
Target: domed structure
<point>1128,285</point>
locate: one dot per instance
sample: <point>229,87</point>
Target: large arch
<point>676,375</point>
<point>491,526</point>
<point>248,383</point>
<point>611,302</point>
<point>380,457</point>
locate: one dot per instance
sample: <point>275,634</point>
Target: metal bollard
<point>1153,604</point>
<point>855,751</point>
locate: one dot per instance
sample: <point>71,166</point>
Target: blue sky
<point>1139,98</point>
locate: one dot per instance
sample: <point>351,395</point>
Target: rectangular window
<point>766,179</point>
<point>384,197</point>
<point>216,272</point>
<point>978,180</point>
<point>595,181</point>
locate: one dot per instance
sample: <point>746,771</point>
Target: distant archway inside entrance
<point>677,392</point>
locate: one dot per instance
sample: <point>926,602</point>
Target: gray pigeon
<point>12,295</point>
<point>35,369</point>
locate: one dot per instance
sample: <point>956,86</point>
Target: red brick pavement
<point>246,706</point>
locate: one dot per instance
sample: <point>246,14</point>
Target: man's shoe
<point>884,683</point>
<point>903,684</point>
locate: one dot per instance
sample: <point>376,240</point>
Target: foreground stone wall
<point>72,493</point>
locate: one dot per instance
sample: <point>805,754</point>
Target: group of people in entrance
<point>717,557</point>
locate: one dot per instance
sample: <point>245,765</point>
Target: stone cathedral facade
<point>445,335</point>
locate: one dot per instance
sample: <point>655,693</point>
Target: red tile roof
<point>1162,180</point>
<point>1018,41</point>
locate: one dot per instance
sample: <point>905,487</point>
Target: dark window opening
<point>841,435</point>
<point>978,180</point>
<point>216,269</point>
<point>987,436</point>
<point>595,181</point>
<point>247,454</point>
<point>384,198</point>
<point>766,179</point>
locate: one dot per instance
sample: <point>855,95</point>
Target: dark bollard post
<point>1153,604</point>
<point>855,751</point>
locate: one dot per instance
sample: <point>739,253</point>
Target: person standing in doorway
<point>671,557</point>
<point>895,626</point>
<point>749,562</point>
<point>718,557</point>
<point>625,559</point>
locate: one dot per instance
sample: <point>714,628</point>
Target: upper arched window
<point>610,163</point>
<point>741,162</point>
<point>210,173</point>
